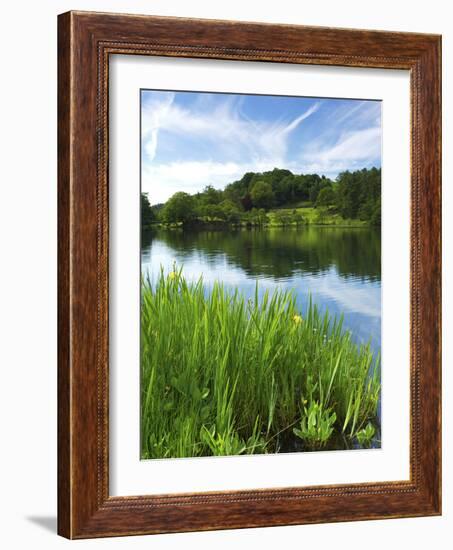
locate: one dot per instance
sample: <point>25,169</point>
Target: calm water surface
<point>339,267</point>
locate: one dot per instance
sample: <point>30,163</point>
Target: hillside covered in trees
<point>277,197</point>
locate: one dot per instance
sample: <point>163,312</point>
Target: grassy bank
<point>312,216</point>
<point>223,375</point>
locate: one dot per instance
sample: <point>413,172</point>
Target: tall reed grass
<point>223,375</point>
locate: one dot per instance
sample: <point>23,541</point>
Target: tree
<point>282,218</point>
<point>180,208</point>
<point>262,195</point>
<point>301,186</point>
<point>210,195</point>
<point>263,217</point>
<point>358,194</point>
<point>230,211</point>
<point>284,190</point>
<point>246,202</point>
<point>251,217</point>
<point>297,218</point>
<point>147,213</point>
<point>326,197</point>
<point>376,214</point>
<point>321,216</point>
<point>348,194</point>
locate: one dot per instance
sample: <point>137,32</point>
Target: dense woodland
<point>263,198</point>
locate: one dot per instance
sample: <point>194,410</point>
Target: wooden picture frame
<point>85,42</point>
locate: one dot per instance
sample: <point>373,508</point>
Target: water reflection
<point>339,267</point>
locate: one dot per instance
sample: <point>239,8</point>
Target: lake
<point>339,267</point>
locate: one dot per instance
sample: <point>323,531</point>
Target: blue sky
<point>193,139</point>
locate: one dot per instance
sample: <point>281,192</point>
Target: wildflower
<point>172,275</point>
<point>297,319</point>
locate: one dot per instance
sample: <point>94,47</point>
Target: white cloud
<point>155,112</point>
<point>353,149</point>
<point>273,139</point>
<point>347,113</point>
<point>232,134</point>
<point>360,145</point>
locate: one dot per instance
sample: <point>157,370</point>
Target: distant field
<point>314,216</point>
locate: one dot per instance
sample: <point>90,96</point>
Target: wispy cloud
<point>352,150</point>
<point>224,124</point>
<point>152,117</point>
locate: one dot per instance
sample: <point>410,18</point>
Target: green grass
<point>222,375</point>
<point>317,216</point>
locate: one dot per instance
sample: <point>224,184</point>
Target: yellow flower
<point>297,319</point>
<point>172,275</point>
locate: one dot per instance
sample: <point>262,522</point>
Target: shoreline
<point>210,226</point>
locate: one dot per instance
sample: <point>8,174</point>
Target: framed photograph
<point>249,275</point>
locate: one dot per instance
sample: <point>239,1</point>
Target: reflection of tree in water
<point>281,253</point>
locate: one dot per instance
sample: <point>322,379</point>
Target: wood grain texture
<point>85,42</point>
<point>64,365</point>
